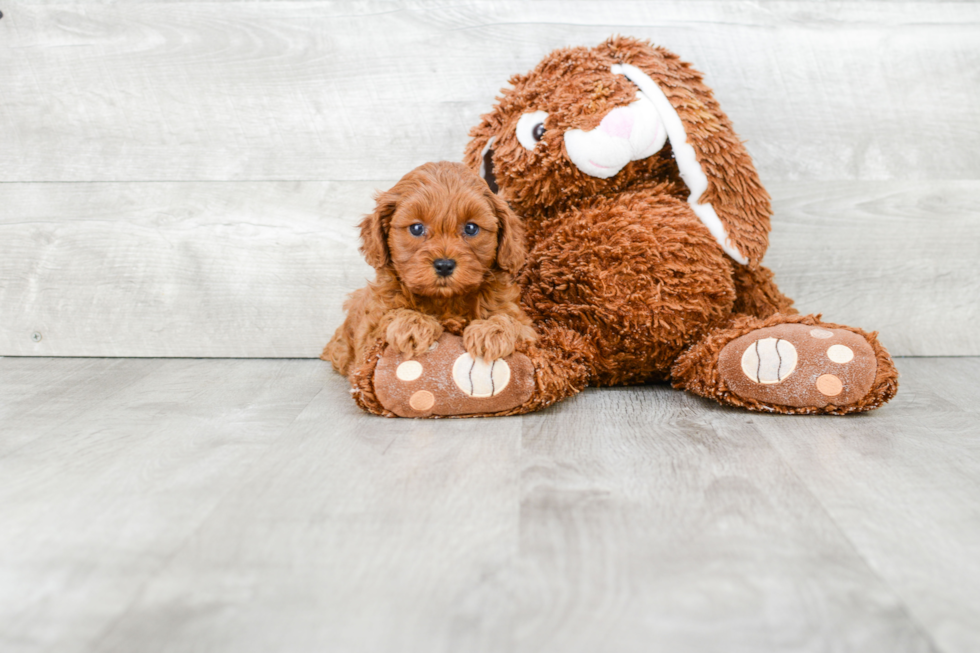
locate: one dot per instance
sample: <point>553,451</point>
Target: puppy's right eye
<point>416,229</point>
<point>530,128</point>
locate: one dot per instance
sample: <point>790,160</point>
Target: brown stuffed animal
<point>646,226</point>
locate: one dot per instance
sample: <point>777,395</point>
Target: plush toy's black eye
<point>416,229</point>
<point>530,129</point>
<point>471,229</point>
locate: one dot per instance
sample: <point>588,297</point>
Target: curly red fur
<point>624,261</point>
<point>409,304</point>
<point>623,281</point>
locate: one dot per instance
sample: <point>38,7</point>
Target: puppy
<point>445,250</point>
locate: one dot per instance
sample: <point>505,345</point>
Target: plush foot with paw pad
<point>447,381</point>
<point>798,365</point>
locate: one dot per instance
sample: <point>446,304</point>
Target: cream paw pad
<point>799,365</point>
<point>447,381</point>
<point>478,378</point>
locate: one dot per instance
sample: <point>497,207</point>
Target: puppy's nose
<point>444,266</point>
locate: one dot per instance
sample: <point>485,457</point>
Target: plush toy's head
<point>598,121</point>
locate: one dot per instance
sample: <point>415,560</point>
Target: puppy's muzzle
<point>444,266</point>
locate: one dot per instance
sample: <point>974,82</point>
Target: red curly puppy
<point>445,250</point>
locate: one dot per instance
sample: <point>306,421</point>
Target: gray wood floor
<point>247,505</point>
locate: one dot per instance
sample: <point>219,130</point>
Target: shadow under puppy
<point>445,250</point>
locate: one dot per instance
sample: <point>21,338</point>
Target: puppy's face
<point>442,231</point>
<point>443,240</point>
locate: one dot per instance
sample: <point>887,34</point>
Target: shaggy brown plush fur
<point>623,282</point>
<point>410,303</point>
<point>576,87</point>
<point>696,370</point>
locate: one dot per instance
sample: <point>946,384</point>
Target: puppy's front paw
<point>494,337</point>
<point>412,333</point>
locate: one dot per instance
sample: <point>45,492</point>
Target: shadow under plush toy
<point>646,225</point>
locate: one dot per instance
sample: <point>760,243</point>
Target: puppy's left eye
<point>416,229</point>
<point>471,229</point>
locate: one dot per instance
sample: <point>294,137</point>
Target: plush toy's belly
<point>640,277</point>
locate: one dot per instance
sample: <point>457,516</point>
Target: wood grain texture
<point>369,90</point>
<point>226,107</point>
<point>653,524</point>
<point>260,269</point>
<point>124,482</point>
<point>903,487</point>
<point>242,506</point>
<point>899,258</point>
<point>37,400</point>
<point>203,269</point>
<point>356,534</point>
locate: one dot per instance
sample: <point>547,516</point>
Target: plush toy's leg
<point>756,293</point>
<point>789,364</point>
<point>446,381</point>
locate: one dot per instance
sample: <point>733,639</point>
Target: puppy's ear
<point>511,250</point>
<point>374,230</point>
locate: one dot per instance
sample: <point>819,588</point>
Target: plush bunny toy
<point>646,226</point>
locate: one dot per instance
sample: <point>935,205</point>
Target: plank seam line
<point>913,618</point>
<point>90,409</point>
<point>109,628</point>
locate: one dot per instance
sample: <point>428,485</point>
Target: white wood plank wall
<point>183,179</point>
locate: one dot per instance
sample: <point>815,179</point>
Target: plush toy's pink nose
<point>618,123</point>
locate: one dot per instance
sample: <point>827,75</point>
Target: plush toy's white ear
<point>725,191</point>
<point>687,161</point>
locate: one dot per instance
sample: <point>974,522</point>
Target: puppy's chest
<point>454,325</point>
<point>454,317</point>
